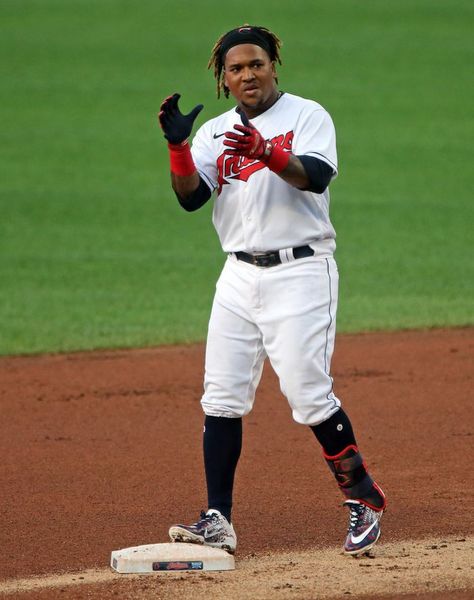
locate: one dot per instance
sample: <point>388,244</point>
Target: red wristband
<point>181,159</point>
<point>278,159</point>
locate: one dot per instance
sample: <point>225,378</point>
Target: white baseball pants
<point>286,312</point>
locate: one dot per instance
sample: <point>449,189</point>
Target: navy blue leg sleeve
<point>222,443</point>
<point>335,434</point>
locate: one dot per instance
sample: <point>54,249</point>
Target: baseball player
<point>269,162</point>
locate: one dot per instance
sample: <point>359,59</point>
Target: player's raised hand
<point>176,126</point>
<point>248,142</point>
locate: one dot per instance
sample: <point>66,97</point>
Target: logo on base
<point>175,565</point>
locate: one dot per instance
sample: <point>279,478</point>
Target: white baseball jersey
<point>255,209</point>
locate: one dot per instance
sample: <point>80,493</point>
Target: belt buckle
<point>264,260</point>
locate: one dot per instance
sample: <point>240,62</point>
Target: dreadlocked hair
<point>216,60</point>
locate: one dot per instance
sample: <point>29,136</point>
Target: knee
<point>213,408</point>
<point>316,411</point>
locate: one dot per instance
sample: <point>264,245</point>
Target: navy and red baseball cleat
<point>212,529</point>
<point>364,528</point>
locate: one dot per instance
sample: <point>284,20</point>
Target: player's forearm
<point>184,175</point>
<point>295,174</point>
<point>185,185</point>
<point>189,197</point>
<point>177,129</point>
<point>317,173</point>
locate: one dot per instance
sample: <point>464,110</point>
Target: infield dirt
<point>102,450</point>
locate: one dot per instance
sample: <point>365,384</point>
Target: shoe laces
<point>204,517</point>
<point>356,515</point>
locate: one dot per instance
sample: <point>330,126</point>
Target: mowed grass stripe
<point>94,250</point>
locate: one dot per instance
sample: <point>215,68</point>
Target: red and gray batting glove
<point>250,143</point>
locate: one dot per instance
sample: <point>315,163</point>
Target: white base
<point>152,558</point>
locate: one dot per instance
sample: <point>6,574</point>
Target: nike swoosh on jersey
<point>218,135</point>
<point>358,538</point>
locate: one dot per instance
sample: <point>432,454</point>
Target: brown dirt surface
<point>102,451</point>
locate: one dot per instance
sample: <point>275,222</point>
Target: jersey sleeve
<point>204,157</point>
<point>315,135</point>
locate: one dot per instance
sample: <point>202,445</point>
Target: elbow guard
<point>319,173</point>
<point>197,199</point>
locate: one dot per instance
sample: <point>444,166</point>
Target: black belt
<point>271,259</point>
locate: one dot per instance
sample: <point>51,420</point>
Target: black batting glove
<point>176,126</point>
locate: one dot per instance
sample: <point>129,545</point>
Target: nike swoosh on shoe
<point>359,538</point>
<point>210,533</point>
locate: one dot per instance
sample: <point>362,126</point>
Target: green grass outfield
<point>94,249</point>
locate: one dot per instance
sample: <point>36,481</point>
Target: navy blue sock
<point>222,443</point>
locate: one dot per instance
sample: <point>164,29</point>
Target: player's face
<point>250,76</point>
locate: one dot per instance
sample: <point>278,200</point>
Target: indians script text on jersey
<point>255,210</point>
